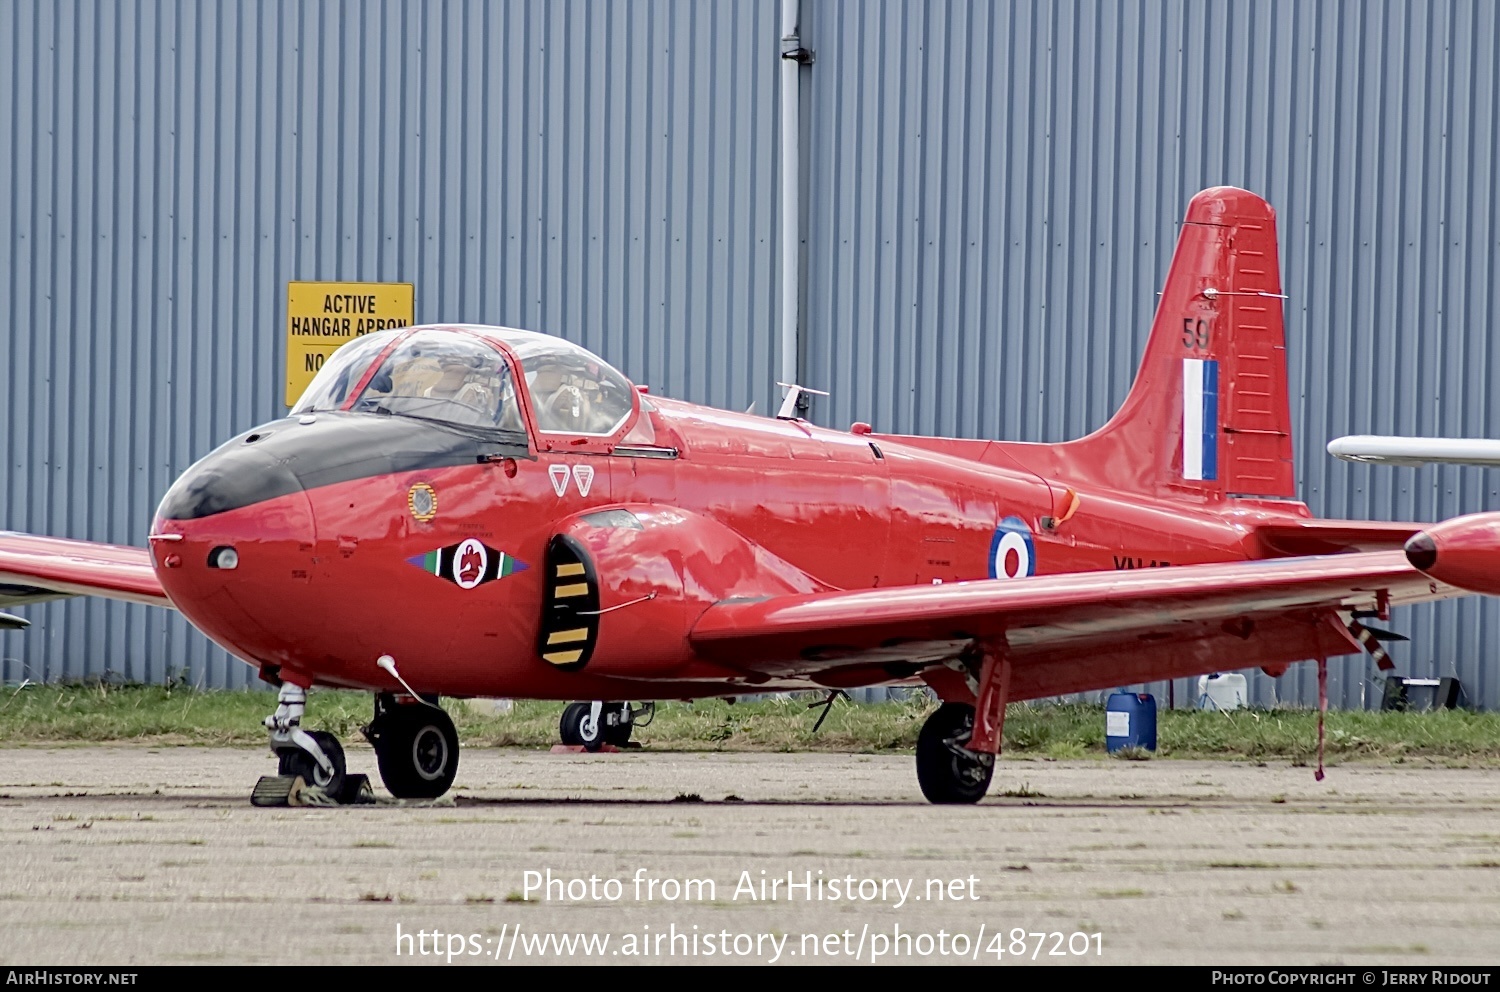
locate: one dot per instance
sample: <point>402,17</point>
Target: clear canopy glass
<point>572,390</point>
<point>444,376</point>
<point>343,370</point>
<point>453,375</point>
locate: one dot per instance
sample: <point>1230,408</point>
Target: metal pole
<point>791,168</point>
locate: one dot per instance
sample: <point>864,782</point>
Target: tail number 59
<point>1195,333</point>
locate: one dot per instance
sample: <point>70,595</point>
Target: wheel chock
<point>357,791</point>
<point>276,790</point>
<point>291,790</point>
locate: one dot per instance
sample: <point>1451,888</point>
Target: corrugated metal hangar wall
<point>991,194</point>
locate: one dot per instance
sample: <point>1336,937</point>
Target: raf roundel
<point>1012,551</point>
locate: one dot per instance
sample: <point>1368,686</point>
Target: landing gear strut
<point>947,770</point>
<point>316,756</point>
<point>957,746</point>
<point>596,724</point>
<point>416,746</point>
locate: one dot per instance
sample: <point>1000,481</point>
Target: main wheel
<point>299,762</point>
<point>567,727</point>
<point>416,747</point>
<point>590,730</point>
<point>617,734</point>
<point>946,770</point>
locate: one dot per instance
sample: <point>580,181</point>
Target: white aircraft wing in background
<point>1415,450</point>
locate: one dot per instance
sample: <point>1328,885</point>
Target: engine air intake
<point>570,610</point>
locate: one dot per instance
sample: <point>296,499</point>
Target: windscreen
<point>342,372</point>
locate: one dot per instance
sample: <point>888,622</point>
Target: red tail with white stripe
<point>1210,399</point>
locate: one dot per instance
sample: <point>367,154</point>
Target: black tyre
<point>567,727</point>
<point>945,771</point>
<point>299,762</point>
<point>416,747</point>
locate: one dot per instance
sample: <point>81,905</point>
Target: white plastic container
<point>1221,691</point>
<point>490,707</point>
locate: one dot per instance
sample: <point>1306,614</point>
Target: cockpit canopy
<point>448,377</point>
<point>572,392</point>
<point>462,378</point>
<point>343,371</point>
<point>430,375</point>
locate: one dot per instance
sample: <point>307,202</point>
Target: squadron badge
<point>421,499</point>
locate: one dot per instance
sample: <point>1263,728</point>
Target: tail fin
<point>1208,413</point>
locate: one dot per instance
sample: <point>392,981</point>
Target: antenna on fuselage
<point>388,663</point>
<point>794,393</point>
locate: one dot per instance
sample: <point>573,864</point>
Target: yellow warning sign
<point>320,316</point>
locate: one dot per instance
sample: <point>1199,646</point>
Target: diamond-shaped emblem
<point>469,563</point>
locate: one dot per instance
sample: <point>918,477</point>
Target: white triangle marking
<point>559,475</point>
<point>584,476</point>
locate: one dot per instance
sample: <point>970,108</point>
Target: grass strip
<point>107,713</point>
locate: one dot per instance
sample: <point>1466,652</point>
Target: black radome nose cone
<point>1421,551</point>
<point>229,478</point>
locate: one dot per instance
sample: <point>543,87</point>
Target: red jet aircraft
<point>479,511</point>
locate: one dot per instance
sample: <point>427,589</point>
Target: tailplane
<point>1208,414</point>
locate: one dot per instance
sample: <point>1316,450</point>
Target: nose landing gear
<point>310,764</point>
<point>299,762</point>
<point>317,756</point>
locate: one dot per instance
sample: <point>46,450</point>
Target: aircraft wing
<point>1071,632</point>
<point>1415,450</point>
<point>34,569</point>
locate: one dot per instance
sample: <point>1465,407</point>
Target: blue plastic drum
<point>1130,721</point>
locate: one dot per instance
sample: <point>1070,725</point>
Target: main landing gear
<point>957,746</point>
<point>416,747</point>
<point>596,724</point>
<point>947,770</point>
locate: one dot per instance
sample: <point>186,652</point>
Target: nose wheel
<point>416,747</point>
<point>300,762</point>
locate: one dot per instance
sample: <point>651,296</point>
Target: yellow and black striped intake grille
<point>570,610</point>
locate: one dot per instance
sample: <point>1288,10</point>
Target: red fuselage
<point>339,521</point>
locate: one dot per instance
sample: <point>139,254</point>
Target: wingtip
<point>1462,552</point>
<point>1421,551</point>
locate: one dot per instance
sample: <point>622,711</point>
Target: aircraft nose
<point>235,544</point>
<point>234,476</point>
